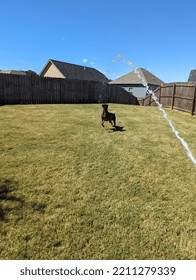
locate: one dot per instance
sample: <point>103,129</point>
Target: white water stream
<point>160,107</point>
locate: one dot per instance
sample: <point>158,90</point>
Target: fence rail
<point>16,89</point>
<point>180,96</point>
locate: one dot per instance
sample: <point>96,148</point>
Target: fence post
<point>194,97</point>
<point>173,96</point>
<point>160,94</point>
<point>150,99</point>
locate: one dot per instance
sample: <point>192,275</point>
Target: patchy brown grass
<point>70,189</point>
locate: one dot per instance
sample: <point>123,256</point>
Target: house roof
<point>14,72</point>
<point>73,71</point>
<point>138,76</point>
<point>192,76</point>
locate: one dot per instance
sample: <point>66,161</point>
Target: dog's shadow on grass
<point>117,129</point>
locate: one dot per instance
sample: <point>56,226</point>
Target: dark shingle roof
<point>134,78</point>
<point>192,76</point>
<point>73,71</point>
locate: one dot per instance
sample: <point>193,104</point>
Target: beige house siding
<point>52,72</point>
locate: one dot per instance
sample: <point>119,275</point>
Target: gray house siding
<point>138,91</point>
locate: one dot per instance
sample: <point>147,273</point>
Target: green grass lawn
<point>71,189</point>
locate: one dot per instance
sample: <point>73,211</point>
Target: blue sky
<point>159,35</point>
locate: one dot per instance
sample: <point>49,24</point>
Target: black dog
<point>106,116</point>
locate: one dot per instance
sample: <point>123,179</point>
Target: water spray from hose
<point>159,105</point>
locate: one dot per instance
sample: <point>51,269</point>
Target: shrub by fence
<point>180,96</point>
<point>16,89</point>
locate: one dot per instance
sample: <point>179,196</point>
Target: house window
<point>130,90</point>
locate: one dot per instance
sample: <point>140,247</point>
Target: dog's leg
<point>102,123</point>
<point>111,123</point>
<point>114,120</point>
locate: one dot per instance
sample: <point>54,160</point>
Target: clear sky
<point>159,35</point>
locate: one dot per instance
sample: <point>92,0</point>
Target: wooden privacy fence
<point>180,96</point>
<point>16,89</point>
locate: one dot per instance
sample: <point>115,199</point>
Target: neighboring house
<point>59,69</point>
<point>133,82</point>
<point>13,72</point>
<point>192,76</point>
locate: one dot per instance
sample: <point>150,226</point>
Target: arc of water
<point>159,105</point>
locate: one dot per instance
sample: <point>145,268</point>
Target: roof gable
<point>138,76</point>
<point>73,71</point>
